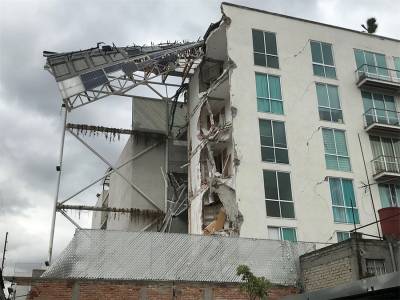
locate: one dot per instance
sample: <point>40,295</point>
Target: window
<point>375,266</point>
<point>342,236</point>
<point>328,103</point>
<point>389,194</point>
<point>379,108</point>
<point>80,64</point>
<point>386,152</point>
<point>282,233</point>
<point>278,194</point>
<point>269,96</point>
<point>98,60</point>
<point>265,50</point>
<point>397,65</point>
<point>273,141</point>
<point>370,63</point>
<point>336,155</point>
<point>322,59</point>
<point>61,69</point>
<point>343,201</point>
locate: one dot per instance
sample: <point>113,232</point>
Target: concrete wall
<point>144,172</point>
<point>344,262</point>
<point>311,194</point>
<point>149,120</point>
<point>131,290</point>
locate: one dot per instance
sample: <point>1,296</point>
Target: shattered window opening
<point>265,49</point>
<point>278,194</point>
<point>273,141</point>
<point>269,96</point>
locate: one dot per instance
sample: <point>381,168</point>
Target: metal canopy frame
<point>176,59</point>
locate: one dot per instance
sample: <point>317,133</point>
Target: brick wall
<point>328,275</point>
<point>328,267</point>
<point>342,262</point>
<point>131,290</point>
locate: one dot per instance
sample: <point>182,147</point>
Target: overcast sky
<point>30,120</point>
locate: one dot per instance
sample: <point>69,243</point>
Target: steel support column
<point>59,169</point>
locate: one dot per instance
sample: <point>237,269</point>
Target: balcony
<point>382,121</point>
<point>386,168</point>
<point>378,78</point>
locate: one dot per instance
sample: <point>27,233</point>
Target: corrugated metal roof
<point>117,255</point>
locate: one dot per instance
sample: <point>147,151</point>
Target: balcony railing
<point>382,116</point>
<point>385,163</point>
<point>376,72</point>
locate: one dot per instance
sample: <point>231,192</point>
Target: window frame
<point>397,68</point>
<point>393,188</point>
<point>336,155</point>
<point>342,232</point>
<point>273,141</point>
<point>374,267</point>
<point>375,63</point>
<point>280,228</point>
<point>278,193</point>
<point>265,49</point>
<point>323,62</point>
<point>330,108</point>
<point>375,109</point>
<point>269,98</point>
<point>354,208</point>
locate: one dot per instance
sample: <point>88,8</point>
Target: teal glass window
<point>386,153</point>
<point>342,236</point>
<point>397,65</point>
<point>278,194</point>
<point>269,96</point>
<point>371,64</point>
<point>336,154</point>
<point>282,233</point>
<point>379,108</point>
<point>322,59</point>
<point>329,103</point>
<point>389,194</point>
<point>265,49</point>
<point>273,141</point>
<point>343,201</point>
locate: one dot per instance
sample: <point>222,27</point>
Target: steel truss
<point>148,69</point>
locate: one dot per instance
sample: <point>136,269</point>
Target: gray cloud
<point>30,103</point>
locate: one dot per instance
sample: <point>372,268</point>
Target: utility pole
<point>4,251</point>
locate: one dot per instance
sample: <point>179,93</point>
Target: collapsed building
<point>213,156</point>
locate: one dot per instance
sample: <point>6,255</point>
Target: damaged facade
<point>260,130</point>
<point>280,128</point>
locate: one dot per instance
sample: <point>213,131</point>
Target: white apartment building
<point>293,128</point>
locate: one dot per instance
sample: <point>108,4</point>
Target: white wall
<point>313,209</point>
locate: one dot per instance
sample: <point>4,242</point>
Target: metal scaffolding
<point>86,76</point>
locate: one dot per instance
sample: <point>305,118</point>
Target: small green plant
<point>371,27</point>
<point>255,287</point>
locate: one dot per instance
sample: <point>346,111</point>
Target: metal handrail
<point>386,163</point>
<point>392,74</point>
<point>368,65</point>
<point>391,117</point>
